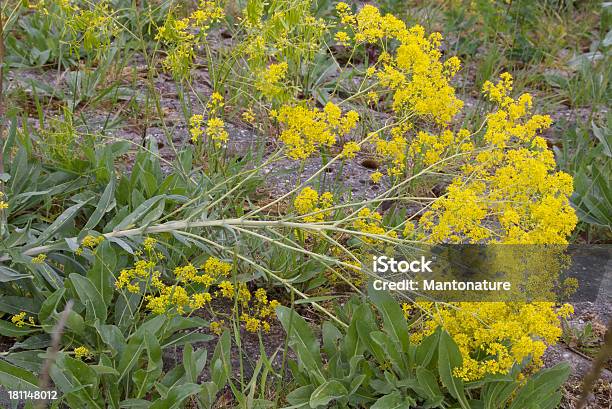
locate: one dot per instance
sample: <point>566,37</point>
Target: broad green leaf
<point>301,395</point>
<point>8,274</point>
<point>176,395</point>
<point>427,380</point>
<point>90,297</point>
<point>105,205</point>
<point>112,336</point>
<point>393,317</point>
<point>449,358</point>
<point>300,337</point>
<point>8,329</point>
<point>101,273</point>
<point>543,388</point>
<point>221,365</point>
<point>327,392</point>
<point>391,401</point>
<point>59,222</point>
<point>14,378</point>
<point>49,306</point>
<point>426,350</point>
<point>138,213</point>
<point>130,356</point>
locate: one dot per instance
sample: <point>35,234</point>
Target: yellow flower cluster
<point>350,149</point>
<point>493,336</point>
<point>82,352</point>
<point>370,222</point>
<point>416,74</point>
<point>3,204</point>
<point>216,327</point>
<point>261,310</point>
<point>92,241</point>
<point>433,148</point>
<point>270,83</point>
<point>195,127</point>
<point>179,296</point>
<point>39,259</point>
<point>215,126</point>
<point>94,27</point>
<point>393,150</point>
<point>256,310</point>
<point>309,203</point>
<point>89,25</point>
<point>509,193</point>
<point>18,319</point>
<point>178,35</point>
<point>308,129</point>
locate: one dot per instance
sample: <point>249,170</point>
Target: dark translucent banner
<point>496,272</point>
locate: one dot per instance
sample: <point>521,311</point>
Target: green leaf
<point>8,329</point>
<point>364,320</point>
<point>59,222</point>
<point>391,401</point>
<point>543,388</point>
<point>393,317</point>
<point>104,370</point>
<point>301,395</point>
<point>327,392</point>
<point>49,306</point>
<point>427,381</point>
<point>105,205</point>
<point>221,362</point>
<point>28,360</point>
<point>130,356</point>
<point>449,357</point>
<point>176,395</point>
<point>8,274</point>
<point>101,273</point>
<point>426,350</point>
<point>330,335</point>
<point>144,378</point>
<point>138,213</point>
<point>90,297</point>
<point>189,364</point>
<point>301,339</point>
<point>14,378</point>
<point>112,336</point>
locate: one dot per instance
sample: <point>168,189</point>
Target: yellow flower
<point>252,324</point>
<point>370,222</point>
<point>270,82</point>
<point>39,259</point>
<point>195,124</point>
<point>217,327</point>
<point>227,289</point>
<point>82,352</point>
<point>92,241</point>
<point>350,149</point>
<point>307,130</point>
<point>3,205</point>
<point>342,38</point>
<point>149,243</point>
<point>376,176</point>
<point>199,300</point>
<point>308,202</point>
<point>216,130</point>
<point>217,268</point>
<point>18,319</point>
<point>248,116</point>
